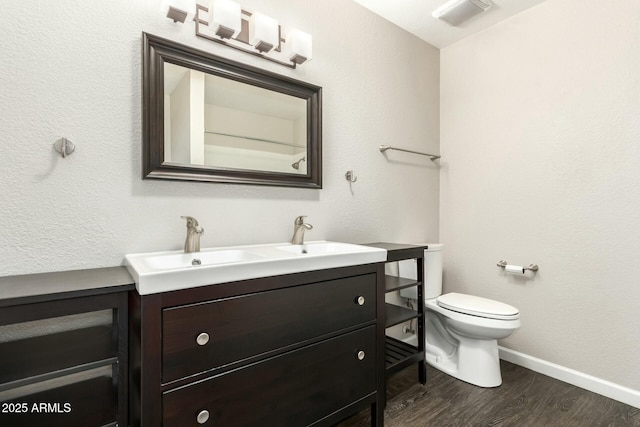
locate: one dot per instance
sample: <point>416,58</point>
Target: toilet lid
<point>477,306</point>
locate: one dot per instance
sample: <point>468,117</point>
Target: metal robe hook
<point>350,176</point>
<point>64,147</point>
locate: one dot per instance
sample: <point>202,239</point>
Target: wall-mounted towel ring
<point>350,176</point>
<point>64,147</point>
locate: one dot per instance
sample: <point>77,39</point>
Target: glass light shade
<point>179,10</point>
<point>299,46</point>
<point>225,18</point>
<point>264,33</point>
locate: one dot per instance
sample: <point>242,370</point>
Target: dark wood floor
<point>525,398</point>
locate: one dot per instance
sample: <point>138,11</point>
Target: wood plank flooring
<point>525,399</point>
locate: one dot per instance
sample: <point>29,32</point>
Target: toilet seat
<point>477,306</point>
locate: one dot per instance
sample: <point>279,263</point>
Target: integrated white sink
<point>162,261</point>
<point>172,270</point>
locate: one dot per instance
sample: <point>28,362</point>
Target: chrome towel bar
<point>384,148</point>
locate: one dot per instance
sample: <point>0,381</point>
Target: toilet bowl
<point>462,331</point>
<point>463,344</point>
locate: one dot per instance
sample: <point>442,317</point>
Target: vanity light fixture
<point>455,12</point>
<point>179,10</point>
<point>225,18</point>
<point>299,44</point>
<point>225,22</point>
<point>264,32</point>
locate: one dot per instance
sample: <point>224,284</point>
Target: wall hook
<point>350,176</point>
<point>64,147</point>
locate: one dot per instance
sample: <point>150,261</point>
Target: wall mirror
<point>207,118</point>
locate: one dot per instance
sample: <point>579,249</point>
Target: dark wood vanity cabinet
<point>295,350</point>
<point>296,388</point>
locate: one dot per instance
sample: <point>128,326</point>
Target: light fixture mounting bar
<point>204,35</point>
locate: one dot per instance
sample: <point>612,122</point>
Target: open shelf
<point>399,355</point>
<point>87,403</point>
<point>47,366</point>
<point>395,314</point>
<point>394,283</point>
<point>56,355</point>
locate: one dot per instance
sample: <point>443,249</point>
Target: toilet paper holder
<point>530,267</point>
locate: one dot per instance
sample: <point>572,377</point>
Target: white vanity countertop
<point>174,270</point>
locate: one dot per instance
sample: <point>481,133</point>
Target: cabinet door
<point>293,389</point>
<point>218,333</point>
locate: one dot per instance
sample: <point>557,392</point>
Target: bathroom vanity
<point>302,346</point>
<point>287,350</point>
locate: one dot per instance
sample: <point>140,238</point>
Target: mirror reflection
<point>210,121</point>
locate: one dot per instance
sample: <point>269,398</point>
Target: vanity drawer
<point>293,389</point>
<point>210,335</point>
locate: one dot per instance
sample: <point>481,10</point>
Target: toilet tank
<point>432,272</point>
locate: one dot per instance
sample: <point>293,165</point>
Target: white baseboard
<point>605,388</point>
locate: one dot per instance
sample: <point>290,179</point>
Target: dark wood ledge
<point>43,287</point>
<point>400,251</point>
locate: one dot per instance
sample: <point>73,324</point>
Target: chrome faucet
<point>194,231</point>
<point>299,227</point>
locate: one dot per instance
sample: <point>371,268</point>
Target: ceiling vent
<point>455,12</point>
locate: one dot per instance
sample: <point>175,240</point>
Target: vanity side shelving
<point>296,349</point>
<point>398,354</point>
<point>79,374</point>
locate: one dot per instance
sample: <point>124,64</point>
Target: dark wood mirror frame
<point>157,51</point>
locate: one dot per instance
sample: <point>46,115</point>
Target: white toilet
<point>461,330</point>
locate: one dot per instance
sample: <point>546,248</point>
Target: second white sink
<point>320,248</point>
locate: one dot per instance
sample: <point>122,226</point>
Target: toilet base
<point>476,361</point>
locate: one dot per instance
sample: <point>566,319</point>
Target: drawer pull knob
<point>203,416</point>
<point>202,339</point>
<point>361,355</point>
<point>360,300</point>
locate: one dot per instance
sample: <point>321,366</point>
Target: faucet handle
<point>192,225</point>
<point>191,221</point>
<point>300,220</point>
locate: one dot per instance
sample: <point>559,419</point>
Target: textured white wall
<point>73,68</point>
<point>540,135</point>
